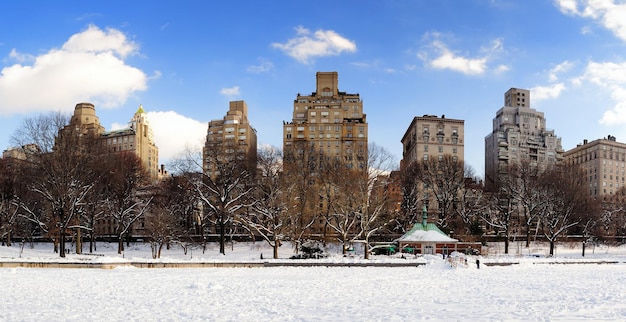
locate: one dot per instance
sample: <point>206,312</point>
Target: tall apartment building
<point>138,138</point>
<point>233,135</point>
<point>603,162</point>
<point>430,136</point>
<point>519,134</point>
<point>328,125</point>
<point>329,122</point>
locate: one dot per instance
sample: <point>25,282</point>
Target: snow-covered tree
<point>567,201</point>
<point>223,182</point>
<point>269,216</point>
<point>371,215</point>
<point>62,170</point>
<point>127,193</point>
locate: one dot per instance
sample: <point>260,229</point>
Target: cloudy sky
<point>185,60</point>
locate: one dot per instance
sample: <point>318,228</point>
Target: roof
<point>140,110</point>
<point>425,233</point>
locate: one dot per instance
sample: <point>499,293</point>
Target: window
<point>425,148</point>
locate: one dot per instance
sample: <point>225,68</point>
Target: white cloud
<point>173,133</point>
<point>568,6</point>
<point>262,67</point>
<point>307,46</point>
<point>546,92</point>
<point>89,67</point>
<point>447,59</point>
<point>502,69</point>
<point>233,91</point>
<point>611,14</point>
<point>612,77</point>
<point>558,69</point>
<point>20,57</point>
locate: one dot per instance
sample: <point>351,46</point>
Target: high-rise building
<point>233,135</point>
<point>328,122</point>
<point>138,138</point>
<point>327,127</point>
<point>519,134</point>
<point>602,162</point>
<point>430,136</point>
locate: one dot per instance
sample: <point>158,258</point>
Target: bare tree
<point>414,196</point>
<point>343,218</point>
<point>127,191</point>
<point>300,164</point>
<point>567,201</point>
<point>526,190</point>
<point>473,203</point>
<point>443,178</point>
<point>269,216</point>
<point>500,214</point>
<point>9,205</point>
<point>224,184</point>
<point>62,168</point>
<point>379,163</point>
<point>172,215</point>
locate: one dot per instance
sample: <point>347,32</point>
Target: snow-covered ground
<point>535,288</point>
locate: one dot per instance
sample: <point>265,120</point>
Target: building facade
<point>139,139</point>
<point>603,162</point>
<point>430,136</point>
<point>519,134</point>
<point>329,122</point>
<point>328,129</point>
<point>233,136</point>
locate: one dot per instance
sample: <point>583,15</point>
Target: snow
<point>428,236</point>
<point>565,287</point>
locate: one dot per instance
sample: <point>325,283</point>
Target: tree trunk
<point>79,241</point>
<point>584,243</point>
<point>366,246</point>
<point>222,236</point>
<point>61,243</point>
<point>276,249</point>
<point>9,238</point>
<point>506,244</point>
<point>551,247</point>
<point>91,238</point>
<point>120,244</point>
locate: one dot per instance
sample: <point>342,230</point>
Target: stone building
<point>233,136</point>
<point>328,121</point>
<point>519,134</point>
<point>328,129</point>
<point>138,138</point>
<point>430,136</point>
<point>603,162</point>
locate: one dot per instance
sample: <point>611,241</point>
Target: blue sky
<point>185,60</point>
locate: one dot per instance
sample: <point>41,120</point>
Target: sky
<point>531,290</point>
<point>183,61</point>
